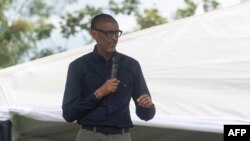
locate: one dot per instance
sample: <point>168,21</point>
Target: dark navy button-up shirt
<point>88,73</point>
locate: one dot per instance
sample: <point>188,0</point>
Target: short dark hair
<point>99,18</point>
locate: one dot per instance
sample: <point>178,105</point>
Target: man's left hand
<point>145,101</point>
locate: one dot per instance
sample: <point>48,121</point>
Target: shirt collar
<point>98,56</point>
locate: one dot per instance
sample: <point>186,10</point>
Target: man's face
<point>106,35</point>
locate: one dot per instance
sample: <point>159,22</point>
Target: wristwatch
<point>96,95</point>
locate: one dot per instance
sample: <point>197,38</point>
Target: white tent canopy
<point>197,70</point>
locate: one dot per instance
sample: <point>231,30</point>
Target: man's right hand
<point>109,86</point>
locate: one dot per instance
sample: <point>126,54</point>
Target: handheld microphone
<point>115,61</point>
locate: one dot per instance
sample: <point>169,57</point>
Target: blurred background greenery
<point>27,34</point>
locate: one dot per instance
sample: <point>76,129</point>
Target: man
<point>98,101</point>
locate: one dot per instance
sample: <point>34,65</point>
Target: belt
<point>105,129</point>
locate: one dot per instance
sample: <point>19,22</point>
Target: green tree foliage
<point>75,22</point>
<point>42,30</point>
<point>3,20</point>
<point>39,8</point>
<point>151,17</point>
<point>208,5</point>
<point>189,11</point>
<point>3,28</point>
<point>14,38</point>
<point>127,7</point>
<point>15,41</point>
<point>20,36</point>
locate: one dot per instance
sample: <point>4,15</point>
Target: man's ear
<point>93,34</point>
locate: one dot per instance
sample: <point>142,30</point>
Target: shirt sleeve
<point>75,106</point>
<point>139,88</point>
